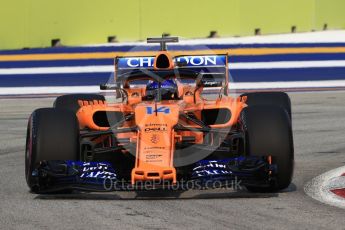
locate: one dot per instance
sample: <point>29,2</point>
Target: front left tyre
<point>268,132</point>
<point>52,134</point>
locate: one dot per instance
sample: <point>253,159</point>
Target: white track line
<point>287,64</point>
<point>287,84</point>
<point>58,70</point>
<point>320,187</point>
<point>232,86</point>
<point>234,66</point>
<point>48,90</point>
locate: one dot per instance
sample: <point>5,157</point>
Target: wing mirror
<point>212,80</point>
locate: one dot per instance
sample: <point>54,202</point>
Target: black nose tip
<point>162,62</point>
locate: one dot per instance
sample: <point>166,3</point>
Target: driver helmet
<point>169,90</point>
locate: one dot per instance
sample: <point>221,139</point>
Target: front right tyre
<point>52,134</point>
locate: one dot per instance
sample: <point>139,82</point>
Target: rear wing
<point>213,69</point>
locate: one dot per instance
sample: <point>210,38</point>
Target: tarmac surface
<point>319,138</point>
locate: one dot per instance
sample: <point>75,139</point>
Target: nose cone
<point>156,144</point>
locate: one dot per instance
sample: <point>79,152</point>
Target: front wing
<point>233,173</point>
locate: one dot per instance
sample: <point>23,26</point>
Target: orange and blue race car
<point>163,127</point>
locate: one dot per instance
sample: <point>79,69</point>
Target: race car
<point>162,130</point>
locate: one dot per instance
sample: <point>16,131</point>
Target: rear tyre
<point>52,134</point>
<point>269,98</point>
<point>268,132</point>
<point>70,101</point>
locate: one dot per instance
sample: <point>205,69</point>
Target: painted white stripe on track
<point>234,66</point>
<point>287,64</point>
<point>286,84</point>
<point>48,90</point>
<point>232,86</point>
<point>58,70</point>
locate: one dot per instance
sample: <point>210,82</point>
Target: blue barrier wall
<point>87,66</point>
